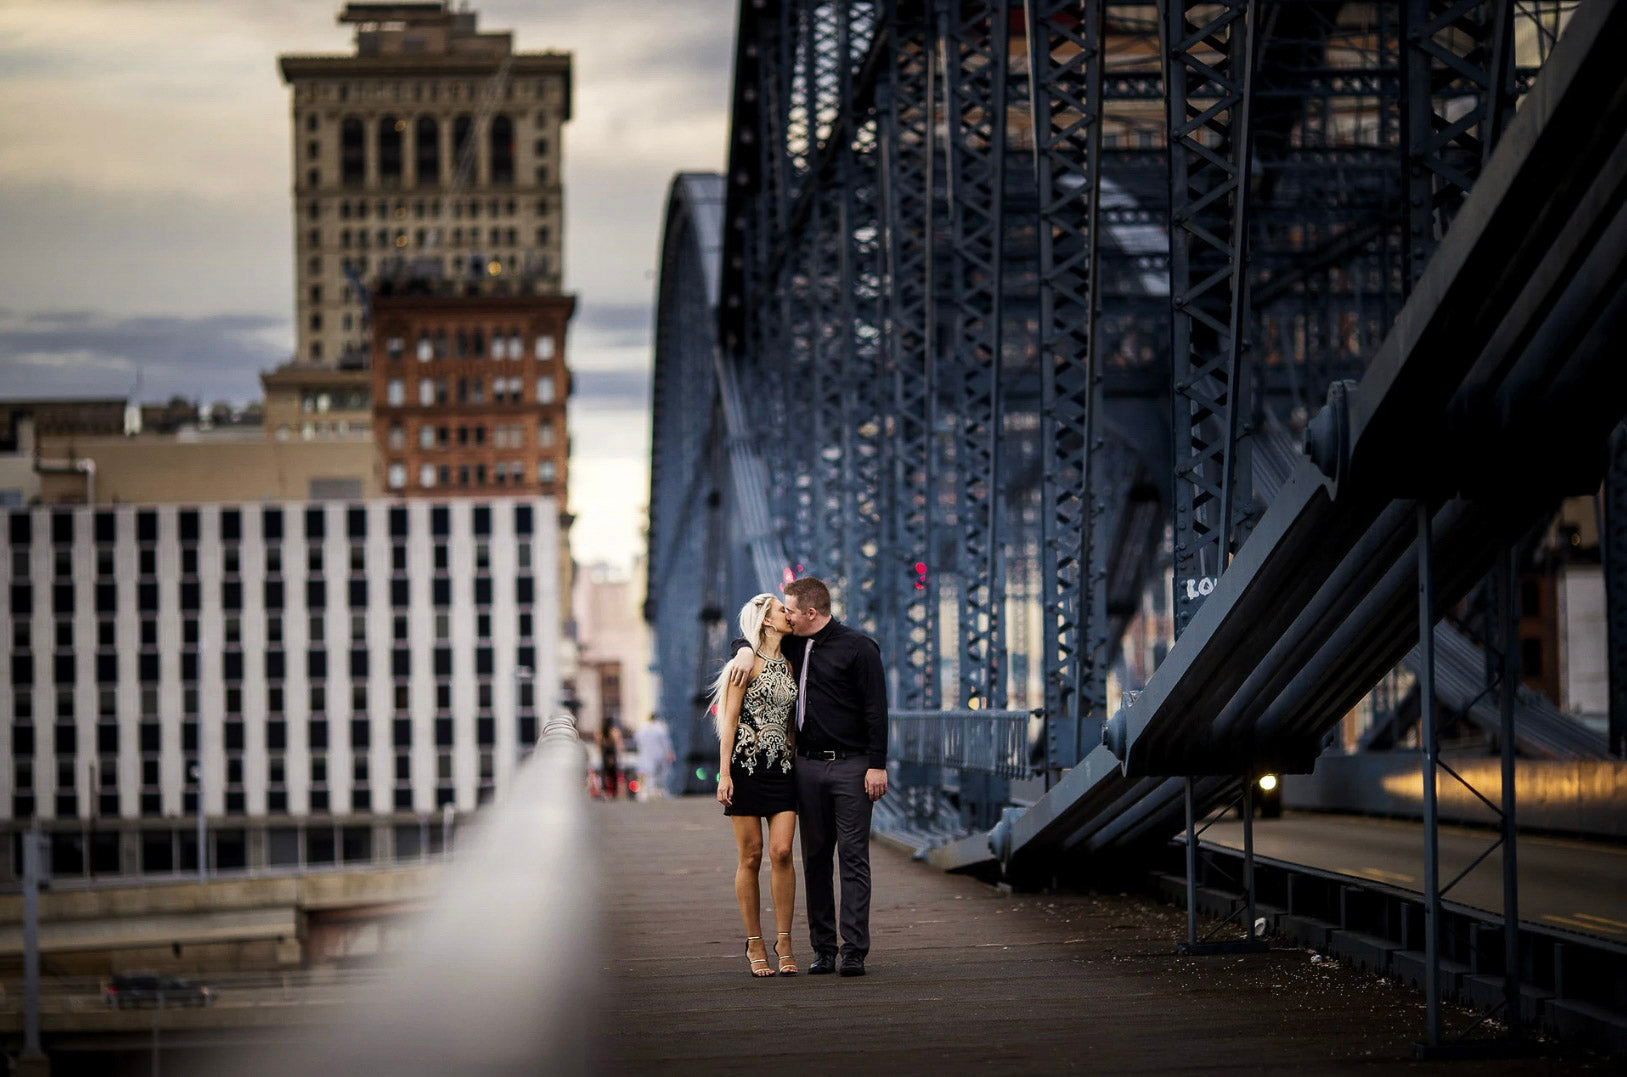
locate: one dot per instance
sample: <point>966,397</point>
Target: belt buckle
<point>828,756</point>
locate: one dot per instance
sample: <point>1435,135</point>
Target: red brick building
<point>469,393</point>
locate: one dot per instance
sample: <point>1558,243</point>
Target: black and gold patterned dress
<point>760,764</point>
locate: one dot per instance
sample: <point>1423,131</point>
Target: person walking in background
<point>655,756</point>
<point>754,783</point>
<point>841,771</point>
<point>610,757</point>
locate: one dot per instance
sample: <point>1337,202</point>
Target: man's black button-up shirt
<point>845,708</point>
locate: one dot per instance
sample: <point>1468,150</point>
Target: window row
<point>506,343</point>
<point>502,473</point>
<point>438,391</point>
<point>421,209</point>
<point>512,264</point>
<point>437,154</point>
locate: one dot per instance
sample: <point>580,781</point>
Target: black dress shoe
<point>852,966</point>
<point>823,965</point>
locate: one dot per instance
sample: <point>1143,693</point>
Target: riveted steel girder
<point>973,47</point>
<point>1209,56</point>
<point>1065,64</point>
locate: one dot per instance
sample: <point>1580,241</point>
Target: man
<point>655,756</point>
<point>841,740</point>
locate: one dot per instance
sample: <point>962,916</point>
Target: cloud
<point>614,325</point>
<point>617,389</point>
<point>70,353</point>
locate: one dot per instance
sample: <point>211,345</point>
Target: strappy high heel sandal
<point>788,964</point>
<point>756,973</point>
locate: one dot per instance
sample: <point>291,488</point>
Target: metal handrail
<point>972,741</point>
<point>495,978</point>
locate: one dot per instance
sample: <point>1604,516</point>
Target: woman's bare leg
<point>782,829</point>
<point>748,836</point>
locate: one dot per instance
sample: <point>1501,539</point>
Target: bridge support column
<point>1613,541</point>
<point>1426,736</point>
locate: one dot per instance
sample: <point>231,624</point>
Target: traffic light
<point>920,575</point>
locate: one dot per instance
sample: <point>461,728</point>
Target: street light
<point>195,772</point>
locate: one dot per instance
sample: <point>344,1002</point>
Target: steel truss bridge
<point>1152,382</point>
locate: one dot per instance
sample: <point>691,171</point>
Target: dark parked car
<point>135,989</point>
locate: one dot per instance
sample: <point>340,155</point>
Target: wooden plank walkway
<point>963,977</point>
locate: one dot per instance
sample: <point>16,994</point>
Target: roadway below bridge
<point>1565,884</point>
<point>964,976</point>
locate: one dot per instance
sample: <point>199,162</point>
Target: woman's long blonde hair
<point>752,616</point>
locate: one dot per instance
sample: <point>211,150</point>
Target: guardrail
<point>971,741</point>
<point>499,969</point>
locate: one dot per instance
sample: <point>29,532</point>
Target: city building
<point>195,466</point>
<point>469,393</point>
<point>433,147</point>
<point>343,673</point>
<point>306,402</point>
<point>613,648</point>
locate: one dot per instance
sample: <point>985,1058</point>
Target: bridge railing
<point>992,742</point>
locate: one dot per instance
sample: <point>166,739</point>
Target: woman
<point>754,783</point>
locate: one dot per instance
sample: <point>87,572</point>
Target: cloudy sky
<point>145,216</point>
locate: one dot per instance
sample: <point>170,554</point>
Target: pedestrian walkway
<point>963,977</point>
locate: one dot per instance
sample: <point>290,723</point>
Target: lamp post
<point>196,773</point>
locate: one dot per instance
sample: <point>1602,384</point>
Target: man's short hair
<point>810,593</point>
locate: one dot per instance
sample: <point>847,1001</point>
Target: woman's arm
<point>728,721</point>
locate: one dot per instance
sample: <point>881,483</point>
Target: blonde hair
<point>752,616</point>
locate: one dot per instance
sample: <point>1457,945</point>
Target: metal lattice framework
<point>1209,54</point>
<point>973,49</point>
<point>1007,285</point>
<point>1065,47</point>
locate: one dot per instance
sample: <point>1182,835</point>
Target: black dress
<point>760,765</point>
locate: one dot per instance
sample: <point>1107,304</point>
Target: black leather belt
<point>827,756</point>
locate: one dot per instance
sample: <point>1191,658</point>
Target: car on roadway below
<point>138,989</point>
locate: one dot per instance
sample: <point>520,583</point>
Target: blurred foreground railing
<point>499,972</point>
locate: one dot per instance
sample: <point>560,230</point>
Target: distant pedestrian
<point>655,756</point>
<point>841,769</point>
<point>754,782</point>
<point>610,757</point>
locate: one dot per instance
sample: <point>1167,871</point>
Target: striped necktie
<point>802,686</point>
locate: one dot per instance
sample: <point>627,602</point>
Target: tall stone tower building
<point>433,150</point>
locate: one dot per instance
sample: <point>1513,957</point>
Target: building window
<point>545,471</point>
<point>426,437</point>
<point>398,476</point>
<point>545,390</point>
<point>352,152</point>
<point>397,436</point>
<point>545,347</point>
<point>427,152</point>
<point>462,127</point>
<point>502,149</point>
<point>426,475</point>
<point>426,391</point>
<point>394,392</point>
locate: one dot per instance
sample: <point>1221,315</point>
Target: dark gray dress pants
<point>834,815</point>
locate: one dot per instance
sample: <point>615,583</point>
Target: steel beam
<point>910,161</point>
<point>974,49</point>
<point>1065,64</point>
<point>1209,62</point>
<point>1457,96</point>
